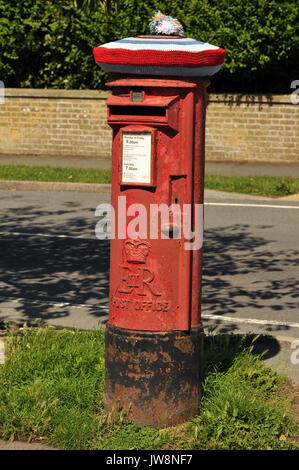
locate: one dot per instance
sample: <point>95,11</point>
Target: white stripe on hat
<point>184,44</point>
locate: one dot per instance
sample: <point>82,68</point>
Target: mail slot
<point>152,109</point>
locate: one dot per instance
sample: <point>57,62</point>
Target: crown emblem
<point>136,251</point>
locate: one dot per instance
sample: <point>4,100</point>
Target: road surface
<point>53,267</point>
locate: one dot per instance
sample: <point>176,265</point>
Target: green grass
<point>51,388</point>
<point>47,173</point>
<point>257,185</point>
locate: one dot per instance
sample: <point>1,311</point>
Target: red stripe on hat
<point>211,57</point>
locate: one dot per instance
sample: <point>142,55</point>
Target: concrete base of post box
<point>155,376</point>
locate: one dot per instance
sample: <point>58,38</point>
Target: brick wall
<point>252,127</point>
<point>73,122</point>
<point>54,122</point>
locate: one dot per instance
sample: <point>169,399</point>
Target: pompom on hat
<point>166,52</point>
<point>162,24</point>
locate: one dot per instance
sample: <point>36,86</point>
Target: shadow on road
<point>54,271</point>
<point>50,270</point>
<point>240,272</point>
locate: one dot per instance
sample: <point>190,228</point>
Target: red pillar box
<point>154,337</point>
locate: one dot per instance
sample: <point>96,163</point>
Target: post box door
<point>151,171</point>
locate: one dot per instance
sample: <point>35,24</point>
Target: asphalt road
<point>53,267</point>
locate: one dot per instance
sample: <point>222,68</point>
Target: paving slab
<point>19,445</point>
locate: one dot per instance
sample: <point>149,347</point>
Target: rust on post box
<point>156,376</point>
<point>154,337</point>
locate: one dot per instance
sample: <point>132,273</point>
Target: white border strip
<point>2,352</point>
<point>51,303</point>
<point>273,206</point>
<point>249,320</point>
<point>105,308</point>
<point>37,234</point>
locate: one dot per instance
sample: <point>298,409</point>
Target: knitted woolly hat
<point>160,54</point>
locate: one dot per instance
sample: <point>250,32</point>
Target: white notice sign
<point>136,157</point>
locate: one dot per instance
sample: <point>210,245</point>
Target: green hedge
<point>49,43</point>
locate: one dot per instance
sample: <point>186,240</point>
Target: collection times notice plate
<point>136,157</point>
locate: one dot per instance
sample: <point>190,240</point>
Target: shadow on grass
<point>220,350</point>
